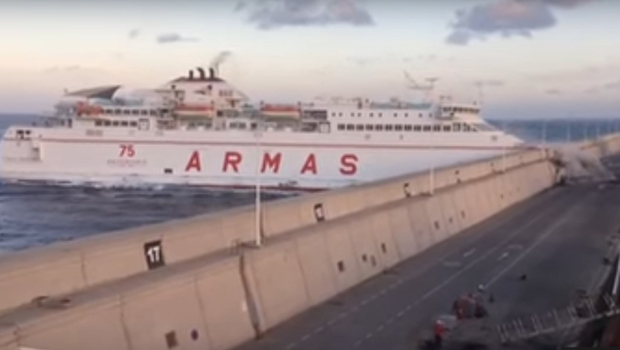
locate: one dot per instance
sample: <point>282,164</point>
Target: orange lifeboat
<point>195,109</point>
<point>280,110</point>
<point>83,108</point>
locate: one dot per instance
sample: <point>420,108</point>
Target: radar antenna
<point>428,88</point>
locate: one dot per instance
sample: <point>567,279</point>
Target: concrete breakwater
<point>190,283</point>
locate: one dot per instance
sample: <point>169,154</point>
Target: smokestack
<point>191,74</point>
<point>211,72</point>
<point>202,73</point>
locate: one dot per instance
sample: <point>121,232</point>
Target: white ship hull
<point>288,160</point>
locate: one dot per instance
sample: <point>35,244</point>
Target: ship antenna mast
<point>431,87</point>
<point>480,86</point>
<point>428,88</point>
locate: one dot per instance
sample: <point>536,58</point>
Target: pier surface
<point>558,239</point>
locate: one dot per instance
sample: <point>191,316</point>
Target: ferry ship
<point>200,130</point>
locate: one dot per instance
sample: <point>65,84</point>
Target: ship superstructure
<point>200,130</point>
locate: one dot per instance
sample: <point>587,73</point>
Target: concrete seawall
<point>71,266</point>
<point>186,282</point>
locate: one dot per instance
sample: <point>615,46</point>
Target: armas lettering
<point>194,162</point>
<point>232,159</point>
<point>348,164</point>
<point>272,163</point>
<point>309,164</point>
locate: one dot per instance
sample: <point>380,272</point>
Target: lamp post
<point>257,222</point>
<point>585,131</point>
<point>544,138</point>
<point>504,148</point>
<point>432,180</point>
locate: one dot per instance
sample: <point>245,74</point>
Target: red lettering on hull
<point>126,151</point>
<point>348,164</point>
<point>309,165</point>
<point>233,159</point>
<point>272,163</point>
<point>194,162</point>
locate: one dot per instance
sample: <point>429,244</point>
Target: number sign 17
<point>154,254</point>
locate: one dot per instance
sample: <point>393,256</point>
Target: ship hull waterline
<point>224,164</point>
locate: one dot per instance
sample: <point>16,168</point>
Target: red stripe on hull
<point>287,145</point>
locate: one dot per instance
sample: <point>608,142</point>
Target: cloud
<point>490,82</point>
<point>240,6</point>
<point>459,37</point>
<point>75,71</point>
<point>427,58</point>
<point>134,33</point>
<point>393,58</point>
<point>615,85</point>
<point>554,92</point>
<point>118,56</point>
<point>362,61</point>
<point>566,3</point>
<point>584,74</point>
<point>506,18</point>
<point>62,69</point>
<point>271,14</point>
<point>173,38</point>
<point>612,86</point>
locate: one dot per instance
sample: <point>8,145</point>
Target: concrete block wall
<point>203,307</point>
<point>604,146</point>
<point>99,259</point>
<point>309,266</point>
<point>608,145</point>
<point>66,267</point>
<point>218,301</point>
<point>285,215</point>
<point>104,258</point>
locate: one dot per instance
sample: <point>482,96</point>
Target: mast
<point>428,88</point>
<point>258,213</point>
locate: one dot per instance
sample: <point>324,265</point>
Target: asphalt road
<point>558,238</point>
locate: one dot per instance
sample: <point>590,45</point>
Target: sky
<point>524,58</point>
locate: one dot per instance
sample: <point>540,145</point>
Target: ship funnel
<point>202,72</point>
<point>191,74</point>
<point>211,72</point>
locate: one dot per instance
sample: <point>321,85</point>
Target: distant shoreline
<point>13,115</point>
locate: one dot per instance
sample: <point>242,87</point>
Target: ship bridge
<point>461,111</point>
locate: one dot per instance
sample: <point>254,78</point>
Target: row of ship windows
<point>340,114</point>
<point>457,127</point>
<point>130,112</point>
<point>460,110</point>
<point>115,123</point>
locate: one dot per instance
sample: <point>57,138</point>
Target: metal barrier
<point>558,319</point>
